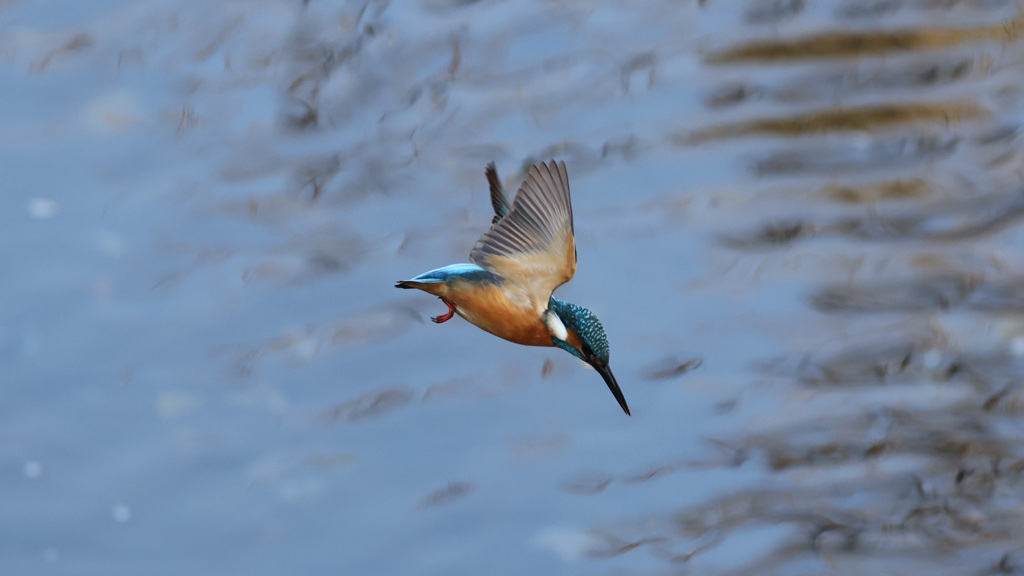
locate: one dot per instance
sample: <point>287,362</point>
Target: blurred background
<point>800,222</point>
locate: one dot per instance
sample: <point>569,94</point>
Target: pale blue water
<point>204,367</point>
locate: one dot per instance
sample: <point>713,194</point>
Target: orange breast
<point>504,311</point>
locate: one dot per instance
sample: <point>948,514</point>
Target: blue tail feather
<point>469,272</point>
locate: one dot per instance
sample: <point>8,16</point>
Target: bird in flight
<point>516,266</point>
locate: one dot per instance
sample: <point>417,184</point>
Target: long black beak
<point>609,379</point>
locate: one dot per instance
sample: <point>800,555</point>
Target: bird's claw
<point>447,316</point>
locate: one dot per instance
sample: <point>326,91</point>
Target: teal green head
<point>578,331</point>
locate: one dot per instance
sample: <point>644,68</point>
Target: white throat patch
<point>555,326</point>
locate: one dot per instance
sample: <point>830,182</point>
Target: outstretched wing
<point>533,244</point>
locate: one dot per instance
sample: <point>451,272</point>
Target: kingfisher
<point>528,252</point>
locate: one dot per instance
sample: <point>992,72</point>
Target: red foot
<point>445,317</point>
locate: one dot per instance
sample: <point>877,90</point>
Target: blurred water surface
<point>800,223</point>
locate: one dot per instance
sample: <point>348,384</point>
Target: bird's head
<point>578,331</point>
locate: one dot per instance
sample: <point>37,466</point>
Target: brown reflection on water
<point>873,43</point>
<point>849,119</point>
<point>872,192</point>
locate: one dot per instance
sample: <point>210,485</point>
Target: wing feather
<point>498,200</point>
<point>533,243</point>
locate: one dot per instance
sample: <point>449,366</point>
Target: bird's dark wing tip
<point>498,199</point>
<point>402,284</point>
